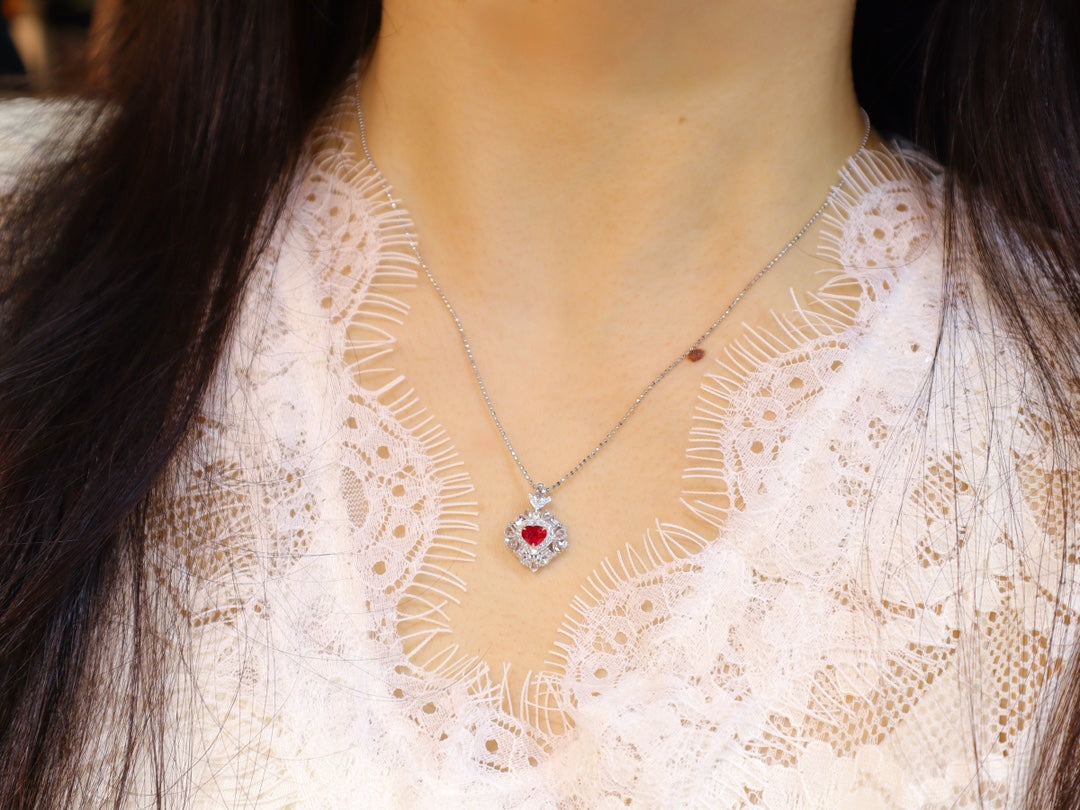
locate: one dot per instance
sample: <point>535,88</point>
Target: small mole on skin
<point>695,354</point>
<point>682,119</point>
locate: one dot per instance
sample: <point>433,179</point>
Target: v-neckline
<point>832,309</point>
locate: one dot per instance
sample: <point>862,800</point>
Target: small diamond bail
<point>540,498</point>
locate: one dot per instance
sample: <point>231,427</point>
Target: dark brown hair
<point>125,258</point>
<point>1001,107</point>
<point>123,266</point>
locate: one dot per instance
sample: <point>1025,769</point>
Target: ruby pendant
<point>537,536</point>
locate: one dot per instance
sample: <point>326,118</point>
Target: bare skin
<point>592,183</point>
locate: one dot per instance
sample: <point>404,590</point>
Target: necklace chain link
<point>415,247</point>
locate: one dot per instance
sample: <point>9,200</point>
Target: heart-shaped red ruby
<point>534,535</point>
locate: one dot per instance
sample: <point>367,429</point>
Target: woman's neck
<point>609,137</point>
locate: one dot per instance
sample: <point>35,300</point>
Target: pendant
<point>537,536</point>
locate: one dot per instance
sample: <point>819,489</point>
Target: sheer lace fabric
<point>869,625</point>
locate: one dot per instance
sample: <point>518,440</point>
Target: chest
<point>720,618</point>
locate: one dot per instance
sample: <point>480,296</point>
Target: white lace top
<point>868,627</point>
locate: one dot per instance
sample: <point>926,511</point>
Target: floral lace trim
<point>847,300</point>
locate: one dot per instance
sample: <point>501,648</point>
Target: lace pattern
<point>867,626</point>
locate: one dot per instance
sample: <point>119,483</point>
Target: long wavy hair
<point>124,258</point>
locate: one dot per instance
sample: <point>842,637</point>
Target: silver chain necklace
<point>536,536</point>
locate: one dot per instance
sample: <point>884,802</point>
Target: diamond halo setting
<point>537,536</point>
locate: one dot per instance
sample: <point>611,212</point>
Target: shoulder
<point>31,129</point>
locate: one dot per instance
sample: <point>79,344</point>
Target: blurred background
<point>42,41</point>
